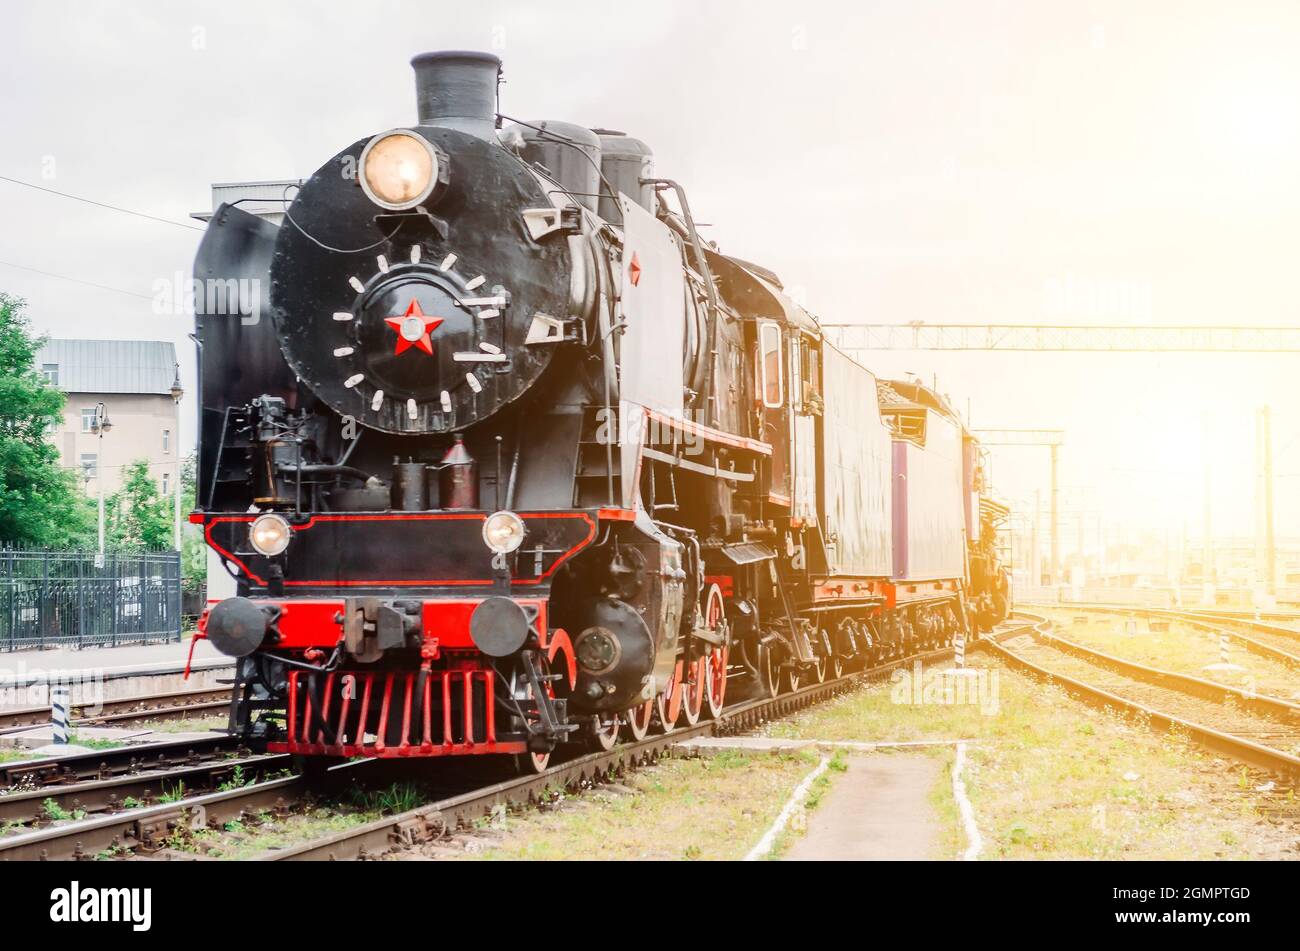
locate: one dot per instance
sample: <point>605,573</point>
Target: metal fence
<point>62,599</point>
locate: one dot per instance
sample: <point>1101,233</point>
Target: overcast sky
<point>1021,162</point>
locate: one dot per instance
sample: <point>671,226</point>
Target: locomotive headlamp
<point>503,532</point>
<point>269,534</point>
<point>398,170</point>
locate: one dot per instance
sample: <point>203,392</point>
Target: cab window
<point>772,381</point>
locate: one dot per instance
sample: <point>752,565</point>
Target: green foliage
<point>395,799</point>
<point>138,517</point>
<point>56,813</point>
<point>194,552</point>
<point>40,503</point>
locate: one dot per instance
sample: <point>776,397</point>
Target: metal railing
<point>62,599</point>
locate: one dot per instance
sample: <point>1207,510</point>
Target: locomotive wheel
<point>693,691</point>
<point>713,667</point>
<point>716,688</point>
<point>668,705</point>
<point>819,668</point>
<point>530,764</point>
<point>790,679</point>
<point>636,720</point>
<point>602,732</point>
<point>769,673</point>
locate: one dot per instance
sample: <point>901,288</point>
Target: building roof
<point>112,366</point>
<point>266,199</point>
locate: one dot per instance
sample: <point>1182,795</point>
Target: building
<point>134,379</point>
<point>266,199</point>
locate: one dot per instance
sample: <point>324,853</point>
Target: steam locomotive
<point>502,454</point>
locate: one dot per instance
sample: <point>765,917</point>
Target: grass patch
<point>391,800</point>
<point>710,807</point>
<point>190,724</point>
<point>57,813</point>
<point>1051,778</point>
<point>252,835</point>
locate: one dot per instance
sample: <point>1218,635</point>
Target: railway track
<point>95,796</point>
<point>127,711</point>
<point>103,764</point>
<point>1261,731</point>
<point>145,831</point>
<point>1262,638</point>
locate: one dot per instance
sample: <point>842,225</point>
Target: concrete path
<point>879,808</point>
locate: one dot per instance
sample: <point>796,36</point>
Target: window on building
<point>51,373</point>
<point>88,420</point>
<point>167,440</point>
<point>167,483</point>
<point>89,465</point>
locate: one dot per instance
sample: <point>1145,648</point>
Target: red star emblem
<point>413,328</point>
<point>634,270</point>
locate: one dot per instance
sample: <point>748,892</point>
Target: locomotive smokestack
<point>458,89</point>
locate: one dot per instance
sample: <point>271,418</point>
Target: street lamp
<point>100,425</point>
<point>177,392</point>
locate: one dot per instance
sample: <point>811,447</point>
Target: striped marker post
<point>60,703</point>
<point>959,667</point>
<point>1225,662</point>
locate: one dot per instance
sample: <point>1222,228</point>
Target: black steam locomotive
<point>502,454</point>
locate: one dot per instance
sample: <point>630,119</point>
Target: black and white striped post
<point>1225,661</point>
<point>60,704</point>
<point>959,668</point>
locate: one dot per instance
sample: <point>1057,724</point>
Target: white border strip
<point>798,796</point>
<point>974,842</point>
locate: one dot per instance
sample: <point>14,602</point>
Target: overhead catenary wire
<point>97,204</point>
<point>100,204</point>
<point>76,280</point>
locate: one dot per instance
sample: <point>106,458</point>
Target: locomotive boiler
<point>502,454</point>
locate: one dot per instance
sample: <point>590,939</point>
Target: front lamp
<point>269,534</point>
<point>503,532</point>
<point>398,170</point>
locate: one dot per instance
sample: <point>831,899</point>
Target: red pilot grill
<point>393,713</point>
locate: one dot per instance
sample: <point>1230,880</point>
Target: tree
<point>40,503</point>
<point>194,558</point>
<point>137,517</point>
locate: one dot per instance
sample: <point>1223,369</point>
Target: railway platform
<point>107,673</point>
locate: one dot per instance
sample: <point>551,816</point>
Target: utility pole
<point>177,392</point>
<point>1035,561</point>
<point>1264,498</point>
<point>1207,544</point>
<point>1056,524</point>
<point>99,426</point>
